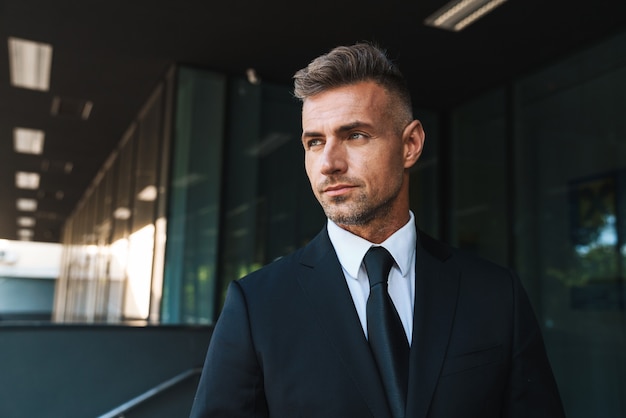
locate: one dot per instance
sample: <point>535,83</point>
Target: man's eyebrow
<point>343,128</point>
<point>309,134</point>
<point>306,135</point>
<point>353,125</point>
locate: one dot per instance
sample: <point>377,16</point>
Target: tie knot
<point>378,263</point>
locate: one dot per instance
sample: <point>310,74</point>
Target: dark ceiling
<point>113,53</point>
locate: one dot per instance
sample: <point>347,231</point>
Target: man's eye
<point>313,143</point>
<point>356,135</point>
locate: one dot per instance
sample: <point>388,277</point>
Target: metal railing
<point>119,411</point>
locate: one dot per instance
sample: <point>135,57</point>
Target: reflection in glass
<point>140,251</point>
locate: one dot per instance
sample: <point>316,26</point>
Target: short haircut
<point>345,65</point>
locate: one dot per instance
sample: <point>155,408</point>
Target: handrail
<point>161,387</point>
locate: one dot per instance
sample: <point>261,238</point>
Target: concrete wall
<point>75,371</point>
<point>28,273</point>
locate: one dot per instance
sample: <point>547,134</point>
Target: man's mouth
<point>338,189</point>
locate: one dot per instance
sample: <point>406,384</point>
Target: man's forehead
<point>361,89</point>
<point>345,101</point>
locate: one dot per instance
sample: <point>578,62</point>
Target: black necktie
<point>385,332</point>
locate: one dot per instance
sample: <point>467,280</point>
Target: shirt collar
<point>351,248</point>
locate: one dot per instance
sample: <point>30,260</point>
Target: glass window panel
<point>102,237</point>
<point>269,208</point>
<point>122,214</point>
<point>193,227</point>
<point>571,190</point>
<point>145,196</point>
<point>241,249</point>
<point>479,217</point>
<point>284,185</point>
<point>425,177</point>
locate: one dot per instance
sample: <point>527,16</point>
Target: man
<point>296,339</point>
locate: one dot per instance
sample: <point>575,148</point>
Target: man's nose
<point>333,158</point>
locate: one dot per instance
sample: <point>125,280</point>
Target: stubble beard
<point>361,211</point>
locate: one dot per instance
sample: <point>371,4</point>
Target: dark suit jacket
<point>289,344</point>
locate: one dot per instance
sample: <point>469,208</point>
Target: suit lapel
<point>436,289</point>
<point>322,280</point>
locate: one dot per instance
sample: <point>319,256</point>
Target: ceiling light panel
<point>71,108</point>
<point>26,221</point>
<point>26,180</point>
<point>26,205</point>
<point>25,234</point>
<point>30,63</point>
<point>28,141</point>
<point>458,14</point>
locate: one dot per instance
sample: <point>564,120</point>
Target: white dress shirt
<point>351,249</point>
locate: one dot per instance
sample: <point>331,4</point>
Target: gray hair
<point>345,65</point>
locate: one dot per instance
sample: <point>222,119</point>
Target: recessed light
<point>25,234</point>
<point>26,180</point>
<point>26,221</point>
<point>28,141</point>
<point>30,64</point>
<point>458,14</point>
<point>122,213</point>
<point>252,76</point>
<point>148,194</point>
<point>26,205</point>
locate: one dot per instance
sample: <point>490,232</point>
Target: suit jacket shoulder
<point>283,271</point>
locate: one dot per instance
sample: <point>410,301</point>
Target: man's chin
<point>347,218</point>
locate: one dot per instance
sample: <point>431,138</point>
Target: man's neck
<point>377,230</point>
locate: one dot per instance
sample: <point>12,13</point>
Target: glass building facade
<point>208,185</point>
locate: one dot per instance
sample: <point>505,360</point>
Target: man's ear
<point>413,138</point>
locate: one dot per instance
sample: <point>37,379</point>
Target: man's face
<point>355,157</point>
